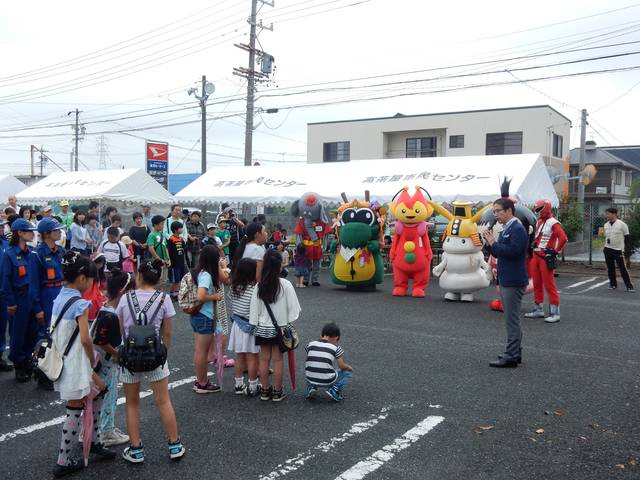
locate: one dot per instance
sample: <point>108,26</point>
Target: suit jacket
<point>511,251</point>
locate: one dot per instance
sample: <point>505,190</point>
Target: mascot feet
<point>466,297</point>
<point>399,292</point>
<point>496,305</point>
<point>417,292</point>
<point>452,297</point>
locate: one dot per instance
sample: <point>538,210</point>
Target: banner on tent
<point>157,155</point>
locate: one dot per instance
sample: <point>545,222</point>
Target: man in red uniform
<point>549,241</point>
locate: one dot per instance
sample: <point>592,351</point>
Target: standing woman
<point>48,278</point>
<point>16,281</point>
<point>280,296</point>
<point>80,239</point>
<point>4,316</point>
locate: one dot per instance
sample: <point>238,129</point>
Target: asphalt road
<point>423,403</point>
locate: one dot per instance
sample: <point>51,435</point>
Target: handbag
<point>50,360</point>
<point>287,336</point>
<point>551,258</point>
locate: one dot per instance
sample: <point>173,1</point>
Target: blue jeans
<point>343,378</point>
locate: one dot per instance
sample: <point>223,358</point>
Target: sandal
<point>228,362</point>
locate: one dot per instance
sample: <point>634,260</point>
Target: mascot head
<point>411,208</point>
<point>543,209</point>
<point>359,222</point>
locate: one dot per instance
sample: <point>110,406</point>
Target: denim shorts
<point>176,274</point>
<point>302,271</point>
<point>204,325</point>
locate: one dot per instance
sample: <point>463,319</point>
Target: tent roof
<point>474,178</point>
<point>130,185</point>
<point>10,185</point>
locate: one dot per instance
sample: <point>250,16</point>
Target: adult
<point>4,315</point>
<point>13,202</point>
<point>139,233</point>
<point>146,216</point>
<point>93,208</point>
<point>65,215</point>
<point>108,215</point>
<point>47,211</point>
<point>235,227</point>
<point>549,240</point>
<point>196,233</point>
<point>511,251</point>
<point>80,240</point>
<point>617,238</point>
<point>175,216</point>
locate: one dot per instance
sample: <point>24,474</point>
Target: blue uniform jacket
<point>48,272</point>
<point>17,270</point>
<point>511,251</point>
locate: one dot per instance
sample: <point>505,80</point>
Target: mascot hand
<point>438,269</point>
<point>333,248</point>
<point>373,246</point>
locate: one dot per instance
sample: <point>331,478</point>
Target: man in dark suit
<point>511,250</point>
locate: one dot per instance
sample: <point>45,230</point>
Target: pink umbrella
<point>87,423</point>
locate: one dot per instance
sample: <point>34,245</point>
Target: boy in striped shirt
<point>325,366</point>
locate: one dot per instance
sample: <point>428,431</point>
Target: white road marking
<point>574,285</point>
<point>593,286</point>
<point>59,420</point>
<point>293,464</point>
<point>386,453</point>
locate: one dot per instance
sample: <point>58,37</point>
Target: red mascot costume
<point>548,242</point>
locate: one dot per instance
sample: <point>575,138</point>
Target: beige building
<point>531,129</point>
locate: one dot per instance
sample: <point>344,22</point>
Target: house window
<point>337,152</point>
<point>421,147</point>
<point>456,141</point>
<point>504,143</point>
<point>618,177</point>
<point>627,179</point>
<point>557,145</point>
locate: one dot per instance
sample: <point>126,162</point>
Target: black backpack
<point>143,350</point>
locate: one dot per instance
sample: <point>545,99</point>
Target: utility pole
<point>76,131</point>
<point>102,153</point>
<point>252,76</point>
<point>207,89</point>
<point>33,171</point>
<point>583,140</point>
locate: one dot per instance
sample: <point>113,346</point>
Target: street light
<point>207,89</point>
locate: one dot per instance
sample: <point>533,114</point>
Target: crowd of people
<point>79,284</point>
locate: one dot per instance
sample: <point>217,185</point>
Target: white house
<point>530,129</point>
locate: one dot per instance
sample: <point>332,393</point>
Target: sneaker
<point>265,394</point>
<point>257,392</point>
<point>116,437</point>
<point>71,467</point>
<point>334,394</point>
<point>278,395</point>
<point>176,450</point>
<point>4,366</point>
<point>241,390</point>
<point>134,454</point>
<point>99,450</point>
<point>631,290</point>
<point>310,392</point>
<point>612,287</point>
<point>552,319</point>
<point>537,312</point>
<point>207,388</point>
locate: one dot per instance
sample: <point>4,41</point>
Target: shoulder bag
<point>287,336</point>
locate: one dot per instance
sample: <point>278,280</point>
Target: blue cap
<point>22,225</point>
<point>49,225</point>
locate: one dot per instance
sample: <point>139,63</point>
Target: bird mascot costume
<point>411,252</point>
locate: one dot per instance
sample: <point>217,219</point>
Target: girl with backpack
<point>206,277</point>
<point>146,305</point>
<point>280,296</point>
<point>241,339</point>
<point>70,321</point>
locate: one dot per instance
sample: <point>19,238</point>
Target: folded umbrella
<point>292,369</point>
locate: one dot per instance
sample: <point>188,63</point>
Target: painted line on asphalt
<point>59,420</point>
<point>294,463</point>
<point>386,453</point>
<point>575,285</point>
<point>594,286</point>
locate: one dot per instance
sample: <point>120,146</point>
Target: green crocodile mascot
<point>357,259</point>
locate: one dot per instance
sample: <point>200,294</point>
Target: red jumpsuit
<point>411,258</point>
<point>549,234</point>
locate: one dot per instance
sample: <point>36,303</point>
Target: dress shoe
<point>316,284</point>
<point>518,359</point>
<point>503,363</point>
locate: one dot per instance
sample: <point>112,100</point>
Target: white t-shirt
<point>113,252</point>
<point>255,251</point>
<point>615,233</point>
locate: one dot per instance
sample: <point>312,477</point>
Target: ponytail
<point>252,230</point>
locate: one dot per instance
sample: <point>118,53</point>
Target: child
<point>223,233</point>
<point>139,234</point>
<point>116,222</point>
<point>95,293</point>
<point>107,338</point>
<point>241,339</point>
<point>206,276</point>
<point>114,250</point>
<point>280,295</point>
<point>301,262</point>
<point>279,246</point>
<point>210,239</point>
<point>70,313</point>
<point>320,367</point>
<point>149,274</point>
<point>176,249</point>
<point>128,265</point>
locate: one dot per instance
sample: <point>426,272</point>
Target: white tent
<point>9,185</point>
<point>474,178</point>
<point>127,186</point>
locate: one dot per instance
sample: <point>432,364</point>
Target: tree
<point>632,219</point>
<point>634,190</point>
<point>571,219</point>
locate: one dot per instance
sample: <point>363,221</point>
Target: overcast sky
<point>140,57</point>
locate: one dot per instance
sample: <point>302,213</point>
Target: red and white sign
<point>158,151</point>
